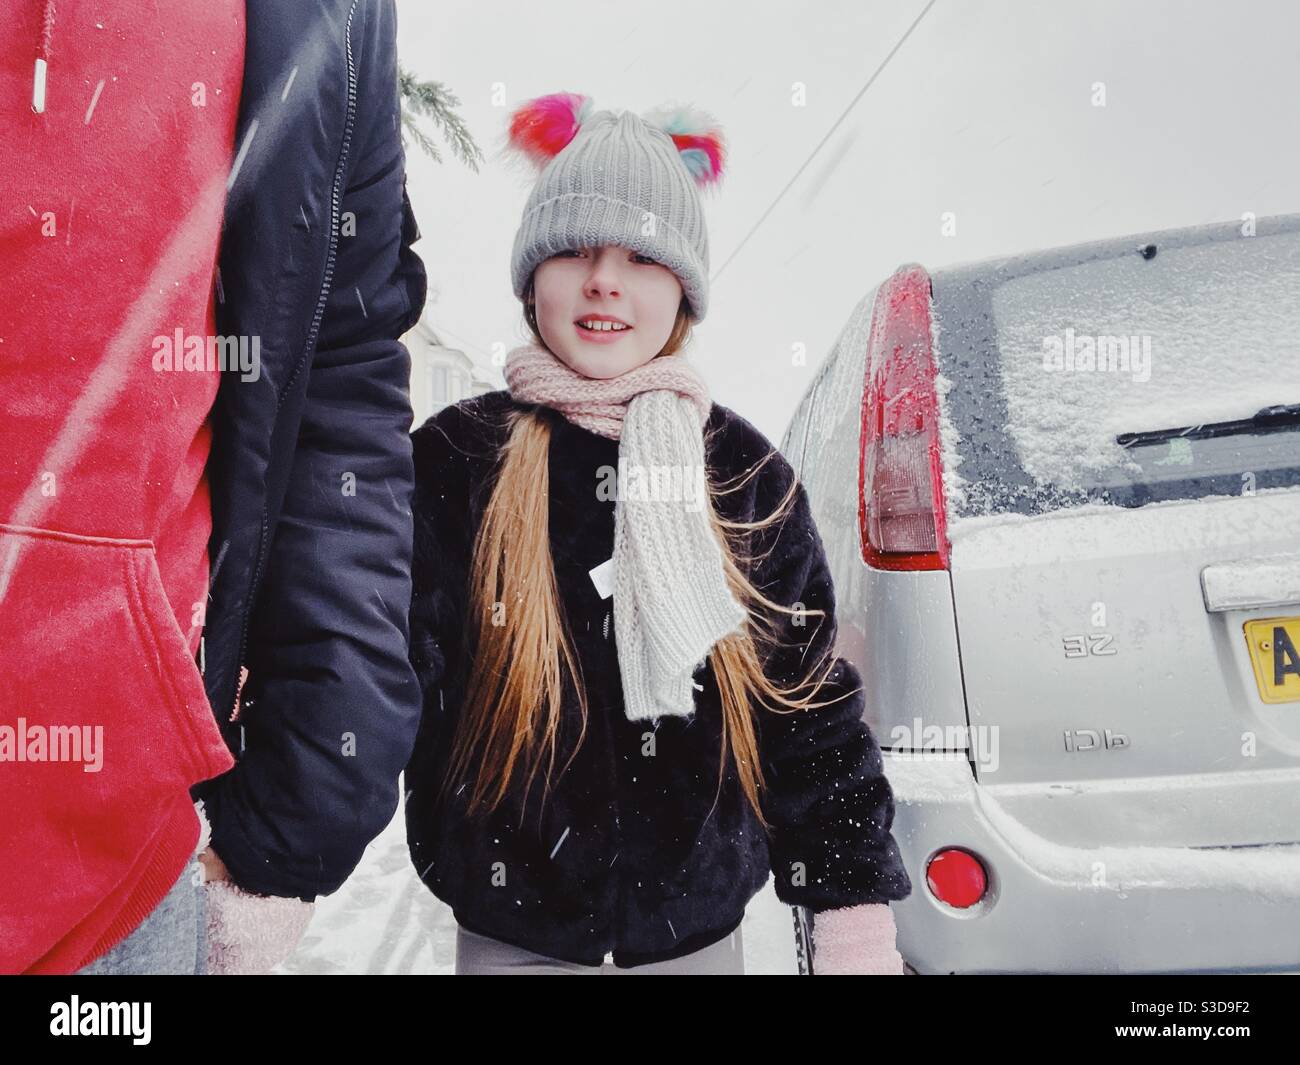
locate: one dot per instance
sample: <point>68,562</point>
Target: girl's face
<point>609,282</point>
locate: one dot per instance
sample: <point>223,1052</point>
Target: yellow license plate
<point>1275,653</point>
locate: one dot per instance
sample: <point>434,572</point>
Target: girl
<point>623,619</point>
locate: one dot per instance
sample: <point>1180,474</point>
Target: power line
<point>845,114</point>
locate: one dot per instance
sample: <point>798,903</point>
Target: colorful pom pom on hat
<point>614,177</point>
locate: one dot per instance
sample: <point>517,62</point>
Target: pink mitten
<point>247,934</point>
<point>251,934</point>
<point>856,941</point>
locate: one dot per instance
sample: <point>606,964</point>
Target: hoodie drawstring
<point>42,58</point>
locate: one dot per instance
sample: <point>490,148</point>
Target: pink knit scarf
<point>672,600</point>
<point>534,375</point>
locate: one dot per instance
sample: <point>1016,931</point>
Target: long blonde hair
<point>512,708</point>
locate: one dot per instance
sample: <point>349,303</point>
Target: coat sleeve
<point>438,617</point>
<point>331,705</point>
<point>826,795</point>
<point>441,559</point>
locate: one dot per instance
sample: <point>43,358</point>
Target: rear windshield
<point>1138,376</point>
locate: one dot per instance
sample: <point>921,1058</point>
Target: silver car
<point>1060,495</point>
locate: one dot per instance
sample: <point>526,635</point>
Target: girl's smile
<point>601,328</point>
<point>609,297</point>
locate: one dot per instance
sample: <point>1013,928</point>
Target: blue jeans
<point>171,941</point>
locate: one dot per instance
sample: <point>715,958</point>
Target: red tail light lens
<point>956,878</point>
<point>900,475</point>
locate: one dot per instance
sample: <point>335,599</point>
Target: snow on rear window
<point>1199,334</point>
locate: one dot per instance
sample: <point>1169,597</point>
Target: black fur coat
<point>630,855</point>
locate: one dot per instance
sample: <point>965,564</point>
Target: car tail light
<point>900,475</point>
<point>957,878</point>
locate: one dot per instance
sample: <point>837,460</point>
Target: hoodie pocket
<point>104,722</point>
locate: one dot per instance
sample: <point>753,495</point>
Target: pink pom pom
<point>542,128</point>
<point>698,139</point>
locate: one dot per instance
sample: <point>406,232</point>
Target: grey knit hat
<point>612,177</point>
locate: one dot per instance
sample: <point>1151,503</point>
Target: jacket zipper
<point>336,201</point>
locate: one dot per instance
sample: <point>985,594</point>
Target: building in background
<point>441,375</point>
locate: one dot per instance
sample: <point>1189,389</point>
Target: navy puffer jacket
<point>310,470</point>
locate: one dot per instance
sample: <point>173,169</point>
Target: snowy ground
<point>383,920</point>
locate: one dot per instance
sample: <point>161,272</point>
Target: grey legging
<point>478,955</point>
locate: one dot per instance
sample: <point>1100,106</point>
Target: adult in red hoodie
<point>126,135</point>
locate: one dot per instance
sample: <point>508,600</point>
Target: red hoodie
<point>111,198</point>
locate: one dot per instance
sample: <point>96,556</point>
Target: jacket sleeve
<point>830,806</point>
<point>441,559</point>
<point>331,705</point>
<point>439,570</point>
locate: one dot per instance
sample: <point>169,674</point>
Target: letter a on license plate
<point>1275,653</point>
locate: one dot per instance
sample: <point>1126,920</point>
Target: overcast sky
<point>987,111</point>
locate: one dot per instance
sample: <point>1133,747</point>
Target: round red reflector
<point>956,878</point>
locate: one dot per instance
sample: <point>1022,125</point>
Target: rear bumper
<point>1052,908</point>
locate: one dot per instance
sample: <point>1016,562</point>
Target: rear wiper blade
<point>1270,419</point>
